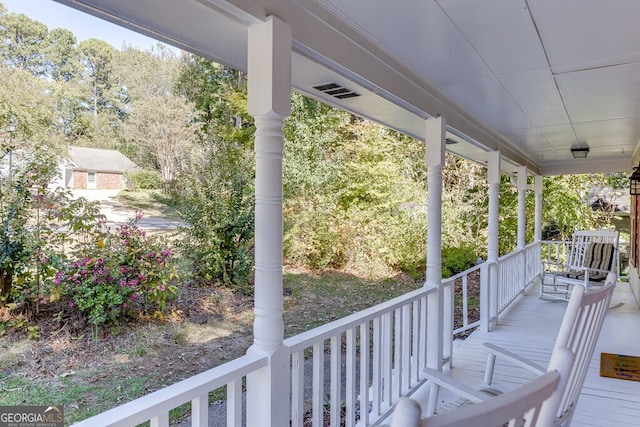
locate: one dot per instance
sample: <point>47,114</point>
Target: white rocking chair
<point>592,255</point>
<point>578,335</point>
<point>523,406</point>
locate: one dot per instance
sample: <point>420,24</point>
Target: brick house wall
<point>104,180</point>
<point>109,181</point>
<point>80,180</point>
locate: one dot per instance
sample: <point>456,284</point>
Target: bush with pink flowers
<point>122,273</point>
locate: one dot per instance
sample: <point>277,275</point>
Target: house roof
<point>532,79</point>
<point>99,160</point>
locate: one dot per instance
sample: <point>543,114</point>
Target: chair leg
<point>488,372</point>
<point>433,399</point>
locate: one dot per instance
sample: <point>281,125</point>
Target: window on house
<point>91,180</point>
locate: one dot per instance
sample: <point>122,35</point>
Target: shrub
<point>458,259</point>
<point>126,273</point>
<point>219,238</point>
<point>143,179</point>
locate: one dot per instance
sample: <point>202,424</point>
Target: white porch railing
<point>458,285</point>
<point>349,372</point>
<point>155,407</point>
<point>516,271</point>
<point>374,358</point>
<point>555,253</point>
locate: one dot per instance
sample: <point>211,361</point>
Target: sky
<point>82,25</point>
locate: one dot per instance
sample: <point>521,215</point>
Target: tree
<point>25,101</point>
<point>23,42</point>
<point>62,61</point>
<point>162,124</point>
<point>97,59</point>
<point>220,93</point>
<point>217,197</point>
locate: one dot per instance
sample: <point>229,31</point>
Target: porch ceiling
<point>532,78</point>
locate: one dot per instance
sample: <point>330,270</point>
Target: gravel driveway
<point>117,213</point>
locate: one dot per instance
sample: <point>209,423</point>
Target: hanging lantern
<point>634,182</point>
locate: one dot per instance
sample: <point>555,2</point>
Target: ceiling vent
<point>337,91</point>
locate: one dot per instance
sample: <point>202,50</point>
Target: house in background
<point>96,168</point>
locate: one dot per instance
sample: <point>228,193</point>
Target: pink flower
<point>70,303</point>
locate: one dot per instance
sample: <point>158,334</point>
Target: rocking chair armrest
<point>455,386</point>
<point>514,358</point>
<point>553,266</point>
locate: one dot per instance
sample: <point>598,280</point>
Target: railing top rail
<point>461,274</point>
<point>310,337</point>
<point>142,409</point>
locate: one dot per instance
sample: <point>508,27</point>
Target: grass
<point>319,298</point>
<point>150,202</point>
<point>81,399</point>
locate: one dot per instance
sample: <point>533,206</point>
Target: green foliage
<point>566,206</point>
<point>19,194</point>
<point>314,236</point>
<point>353,194</point>
<point>143,179</point>
<point>458,259</point>
<point>123,273</point>
<point>217,203</point>
<point>22,39</point>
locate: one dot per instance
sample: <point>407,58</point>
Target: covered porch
<point>529,329</point>
<point>500,83</point>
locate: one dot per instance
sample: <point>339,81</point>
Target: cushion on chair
<point>599,256</point>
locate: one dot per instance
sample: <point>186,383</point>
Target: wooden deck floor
<point>529,329</point>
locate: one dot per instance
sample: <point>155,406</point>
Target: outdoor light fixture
<point>580,153</point>
<point>634,182</point>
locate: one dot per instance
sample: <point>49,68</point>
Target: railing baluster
<point>335,380</point>
<point>234,403</point>
<point>377,367</point>
<point>318,385</point>
<point>415,343</point>
<point>387,360</point>
<point>161,420</point>
<point>350,381</point>
<point>423,334</point>
<point>406,349</point>
<point>297,388</point>
<point>200,411</point>
<point>365,357</point>
<point>397,348</point>
<point>465,300</point>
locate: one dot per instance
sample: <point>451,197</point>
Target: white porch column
<point>493,164</point>
<point>522,207</point>
<point>537,187</point>
<point>434,144</point>
<point>269,92</point>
